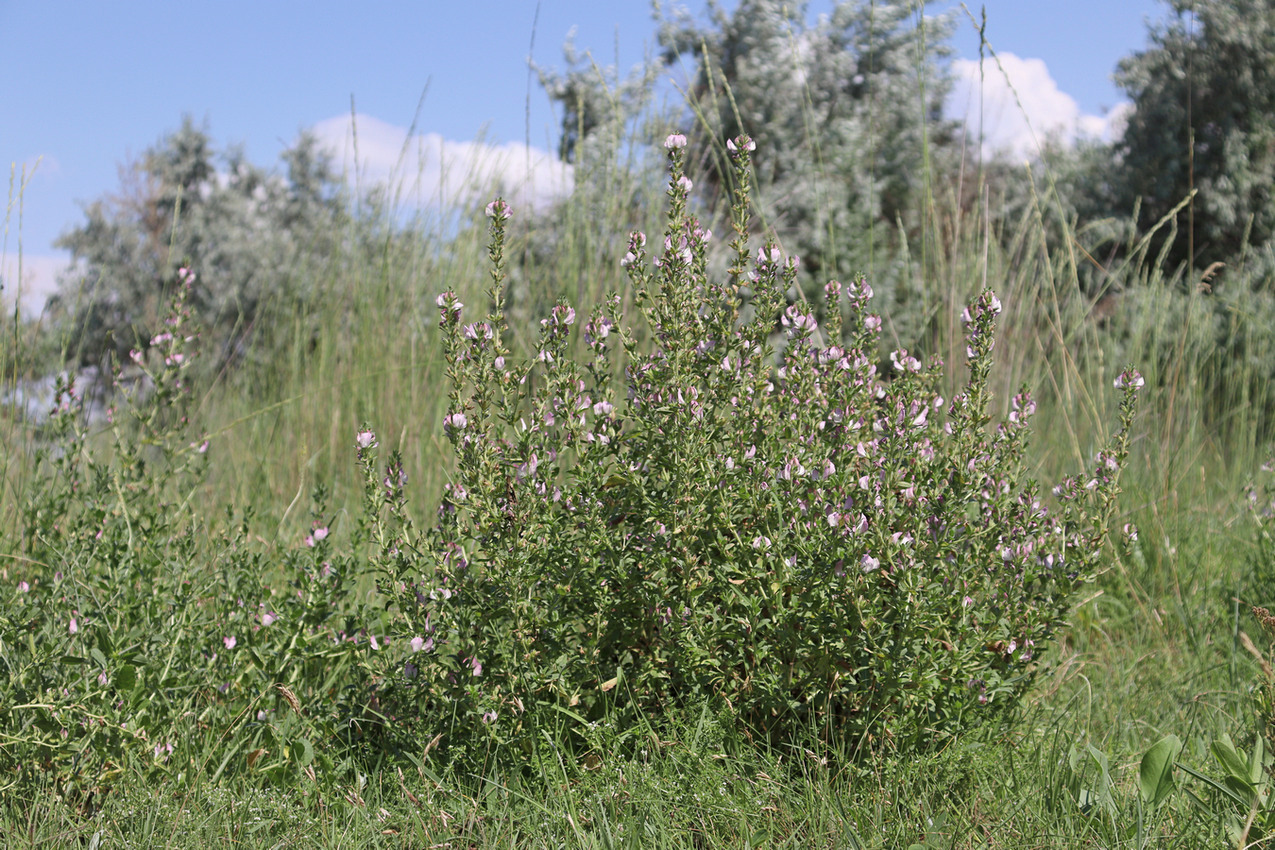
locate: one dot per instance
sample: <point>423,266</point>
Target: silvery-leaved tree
<point>847,114</point>
<point>1203,94</point>
<point>242,230</point>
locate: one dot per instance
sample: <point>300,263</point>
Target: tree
<point>241,229</point>
<point>846,113</point>
<point>1204,119</point>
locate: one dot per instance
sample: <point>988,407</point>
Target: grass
<point>1155,647</point>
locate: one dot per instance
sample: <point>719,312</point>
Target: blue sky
<point>90,85</point>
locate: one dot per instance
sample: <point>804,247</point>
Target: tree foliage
<point>242,230</point>
<point>846,111</point>
<point>1204,118</point>
<point>843,109</point>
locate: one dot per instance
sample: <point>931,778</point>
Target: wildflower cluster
<point>113,642</point>
<point>759,519</point>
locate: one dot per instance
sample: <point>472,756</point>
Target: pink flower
<point>770,253</point>
<point>499,209</point>
<point>1130,378</point>
<point>73,626</point>
<point>476,666</point>
<point>365,440</point>
<point>446,298</point>
<point>675,141</point>
<point>418,643</point>
<point>904,362</point>
<point>229,641</point>
<point>268,618</point>
<point>23,587</point>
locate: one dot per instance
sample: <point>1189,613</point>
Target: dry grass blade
<point>289,697</point>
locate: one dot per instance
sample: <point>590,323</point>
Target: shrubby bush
<point>141,634</point>
<point>740,513</point>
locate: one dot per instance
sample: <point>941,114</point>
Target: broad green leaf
<point>303,752</point>
<point>1224,751</point>
<point>1155,774</point>
<point>126,678</point>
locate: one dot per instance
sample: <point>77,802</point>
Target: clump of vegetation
<point>122,651</point>
<point>753,521</point>
<point>257,241</point>
<point>704,539</point>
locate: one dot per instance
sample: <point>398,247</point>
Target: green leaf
<point>126,678</point>
<point>104,640</point>
<point>1227,756</point>
<point>1155,774</point>
<point>1257,763</point>
<point>303,751</point>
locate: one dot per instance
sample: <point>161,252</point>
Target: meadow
<point>209,639</point>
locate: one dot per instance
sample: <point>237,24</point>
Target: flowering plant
<point>141,636</point>
<point>755,517</point>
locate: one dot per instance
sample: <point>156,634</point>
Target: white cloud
<point>1041,111</point>
<point>39,280</point>
<point>430,171</point>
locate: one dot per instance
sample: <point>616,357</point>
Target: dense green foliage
<point>1203,120</point>
<point>116,656</point>
<point>794,540</point>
